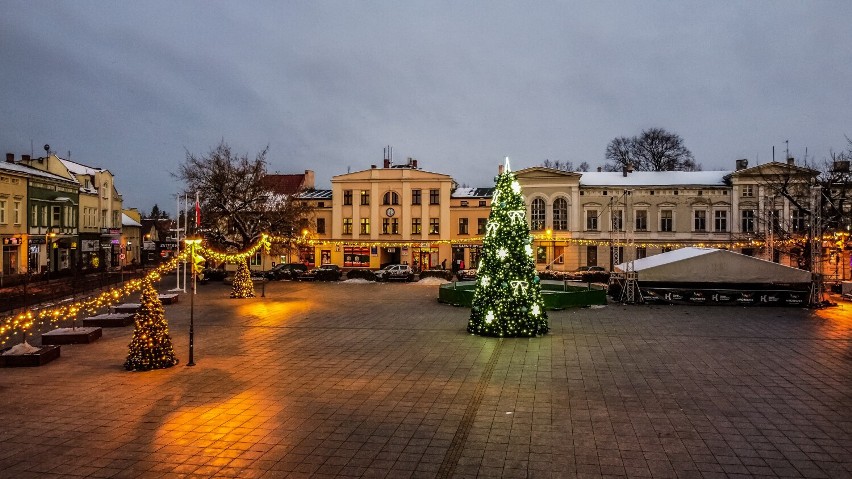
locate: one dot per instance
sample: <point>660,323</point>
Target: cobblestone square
<point>379,380</point>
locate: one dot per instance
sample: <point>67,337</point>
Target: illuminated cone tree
<point>243,285</point>
<point>507,301</point>
<point>151,347</point>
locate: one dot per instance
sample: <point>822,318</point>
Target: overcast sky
<point>130,86</point>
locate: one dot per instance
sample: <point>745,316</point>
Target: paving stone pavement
<point>379,380</point>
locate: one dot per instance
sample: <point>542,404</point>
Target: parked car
<point>401,272</point>
<point>466,274</point>
<point>326,272</point>
<point>286,271</point>
<point>590,274</point>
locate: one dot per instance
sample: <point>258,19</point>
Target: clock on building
<point>390,212</point>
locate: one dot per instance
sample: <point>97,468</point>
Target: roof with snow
<point>315,195</point>
<point>128,221</point>
<point>711,265</point>
<point>654,178</point>
<point>473,193</point>
<point>79,169</point>
<point>28,170</point>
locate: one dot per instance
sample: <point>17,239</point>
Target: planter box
<point>43,356</point>
<point>83,335</point>
<point>126,308</point>
<point>170,298</point>
<point>110,320</point>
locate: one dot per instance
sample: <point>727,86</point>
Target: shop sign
<point>90,245</point>
<point>12,241</point>
<point>149,245</point>
<point>111,231</point>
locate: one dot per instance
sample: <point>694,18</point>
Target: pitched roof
<point>314,195</point>
<point>79,169</point>
<point>284,184</point>
<point>473,193</point>
<point>29,170</point>
<point>128,221</point>
<point>654,178</point>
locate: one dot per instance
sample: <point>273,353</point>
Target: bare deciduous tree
<point>236,205</point>
<point>655,149</point>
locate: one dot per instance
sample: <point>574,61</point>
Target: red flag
<point>197,212</point>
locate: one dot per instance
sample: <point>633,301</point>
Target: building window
<point>641,252</point>
<point>537,214</point>
<point>641,220</point>
<point>104,194</point>
<point>434,226</point>
<point>541,255</point>
<point>16,218</point>
<point>666,220</point>
<point>463,226</point>
<point>798,220</point>
<point>34,216</point>
<point>700,222</point>
<point>775,220</point>
<point>480,225</point>
<point>591,221</point>
<point>2,212</point>
<point>57,216</point>
<point>720,221</point>
<point>365,197</point>
<point>356,257</point>
<point>347,197</point>
<point>255,260</point>
<point>748,221</point>
<point>365,226</point>
<point>482,203</point>
<point>44,216</point>
<point>390,226</point>
<point>560,214</point>
<point>464,203</point>
<point>618,220</point>
<point>748,191</point>
<point>415,197</point>
<point>347,226</point>
<point>116,223</point>
<point>434,197</point>
<point>390,198</point>
<point>416,226</point>
<point>320,225</point>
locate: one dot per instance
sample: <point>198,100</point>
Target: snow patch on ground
<point>432,281</point>
<point>23,348</point>
<point>357,281</point>
<point>597,306</point>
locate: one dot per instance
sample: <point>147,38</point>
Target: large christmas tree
<point>243,285</point>
<point>151,347</point>
<point>507,301</point>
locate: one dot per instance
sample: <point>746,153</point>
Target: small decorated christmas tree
<point>507,301</point>
<point>151,347</point>
<point>243,285</point>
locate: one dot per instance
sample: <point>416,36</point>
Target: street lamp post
<point>192,244</point>
<point>48,244</point>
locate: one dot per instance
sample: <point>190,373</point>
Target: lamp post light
<point>192,244</point>
<point>48,246</point>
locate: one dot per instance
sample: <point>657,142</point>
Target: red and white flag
<point>197,212</point>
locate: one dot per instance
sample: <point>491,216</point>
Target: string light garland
<point>507,301</point>
<point>151,346</point>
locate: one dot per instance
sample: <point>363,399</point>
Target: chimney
<point>499,169</point>
<point>387,163</point>
<point>10,157</point>
<point>600,168</point>
<point>309,179</point>
<point>624,171</point>
<point>25,159</point>
<point>414,163</point>
<point>742,164</point>
<point>372,167</point>
<point>791,161</point>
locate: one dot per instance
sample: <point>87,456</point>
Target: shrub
<point>361,274</point>
<point>437,273</point>
<point>554,275</point>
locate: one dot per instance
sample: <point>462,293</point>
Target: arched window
<point>390,198</point>
<point>560,214</point>
<point>537,215</point>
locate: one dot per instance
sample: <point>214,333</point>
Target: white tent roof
<point>710,265</point>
